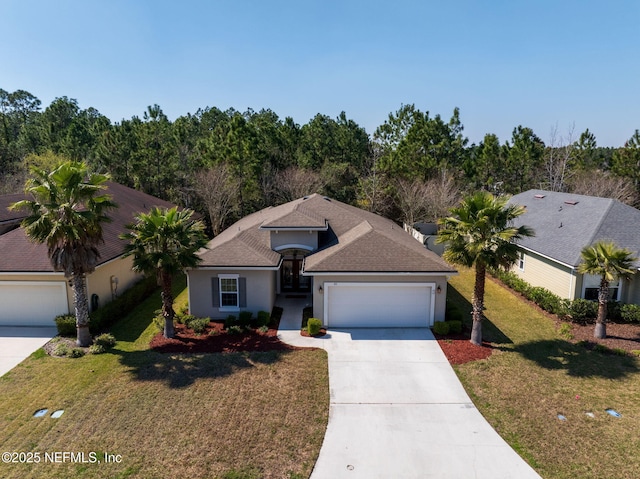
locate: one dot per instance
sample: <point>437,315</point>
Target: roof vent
<point>539,197</point>
<point>327,198</point>
<point>571,202</point>
<point>305,197</point>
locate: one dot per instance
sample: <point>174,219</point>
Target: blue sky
<point>503,63</point>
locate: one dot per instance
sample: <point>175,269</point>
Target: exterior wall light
<point>320,290</point>
<point>438,289</point>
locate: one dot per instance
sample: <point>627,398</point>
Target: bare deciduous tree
<point>605,185</point>
<point>219,191</point>
<point>295,182</point>
<point>420,201</point>
<point>559,159</point>
<point>411,195</point>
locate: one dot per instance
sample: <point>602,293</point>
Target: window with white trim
<point>521,261</point>
<point>229,291</point>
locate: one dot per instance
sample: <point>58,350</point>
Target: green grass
<point>536,374</point>
<point>173,416</point>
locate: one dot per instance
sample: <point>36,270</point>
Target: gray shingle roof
<point>362,241</point>
<point>565,223</point>
<point>19,254</point>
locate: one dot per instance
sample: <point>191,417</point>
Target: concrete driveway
<point>397,410</point>
<point>18,342</point>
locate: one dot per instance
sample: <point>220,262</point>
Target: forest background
<point>227,164</point>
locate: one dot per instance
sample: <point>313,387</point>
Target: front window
<point>229,291</point>
<point>592,286</point>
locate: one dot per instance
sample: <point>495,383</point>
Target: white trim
<point>277,249</point>
<point>236,268</point>
<point>546,257</point>
<point>380,273</point>
<point>329,284</point>
<point>32,273</point>
<point>293,228</point>
<point>236,277</point>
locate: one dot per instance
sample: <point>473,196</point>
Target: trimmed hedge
<point>441,327</point>
<point>630,313</point>
<point>101,319</point>
<point>313,326</point>
<point>66,324</point>
<point>455,326</point>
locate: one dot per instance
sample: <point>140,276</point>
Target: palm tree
<point>611,263</point>
<point>164,242</point>
<point>67,212</point>
<point>480,233</point>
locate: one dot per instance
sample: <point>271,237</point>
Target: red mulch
<point>459,350</point>
<point>304,333</point>
<point>619,335</point>
<point>217,340</point>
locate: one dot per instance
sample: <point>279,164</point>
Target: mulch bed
<point>619,336</point>
<point>459,350</point>
<point>217,340</point>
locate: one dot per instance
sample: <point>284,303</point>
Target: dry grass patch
<point>537,375</point>
<point>169,416</point>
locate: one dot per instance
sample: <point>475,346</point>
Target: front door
<point>291,278</point>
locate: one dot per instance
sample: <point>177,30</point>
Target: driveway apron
<point>18,342</point>
<point>398,410</point>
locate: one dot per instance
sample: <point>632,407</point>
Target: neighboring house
<point>564,224</point>
<point>427,234</point>
<point>32,293</point>
<point>360,269</point>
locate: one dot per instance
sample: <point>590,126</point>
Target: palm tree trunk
<point>478,303</point>
<point>167,304</point>
<point>601,321</point>
<point>81,305</point>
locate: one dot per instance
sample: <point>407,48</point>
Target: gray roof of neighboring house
<point>356,240</point>
<point>19,254</point>
<point>564,223</point>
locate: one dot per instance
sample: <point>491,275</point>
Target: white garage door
<point>378,305</point>
<point>32,303</point>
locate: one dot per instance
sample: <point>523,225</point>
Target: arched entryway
<point>291,278</point>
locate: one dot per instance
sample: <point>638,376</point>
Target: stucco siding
<point>99,282</point>
<point>440,299</point>
<point>540,271</point>
<point>260,292</point>
<point>284,238</point>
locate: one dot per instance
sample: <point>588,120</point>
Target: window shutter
<point>242,285</point>
<point>215,288</point>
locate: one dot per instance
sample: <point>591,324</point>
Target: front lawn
<point>240,415</point>
<point>535,374</point>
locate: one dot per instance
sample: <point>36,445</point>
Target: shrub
<point>263,329</point>
<point>61,349</point>
<point>198,325</point>
<point>614,312</point>
<point>75,353</point>
<point>235,329</point>
<point>453,313</point>
<point>105,340</point>
<point>230,321</point>
<point>441,327</point>
<point>244,318</point>
<point>117,309</point>
<point>97,349</point>
<point>306,314</point>
<point>66,324</point>
<point>158,321</point>
<point>263,319</point>
<point>583,311</point>
<point>455,326</point>
<point>313,326</point>
<point>630,313</point>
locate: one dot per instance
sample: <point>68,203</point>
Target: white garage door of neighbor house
<point>378,305</point>
<point>32,303</point>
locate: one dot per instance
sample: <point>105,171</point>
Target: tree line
<point>226,164</point>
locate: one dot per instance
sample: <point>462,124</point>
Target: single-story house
<point>359,269</point>
<point>564,223</point>
<point>32,293</point>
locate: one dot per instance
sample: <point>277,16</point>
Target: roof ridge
<point>596,230</point>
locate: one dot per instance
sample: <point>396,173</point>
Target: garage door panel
<point>369,305</point>
<point>31,303</point>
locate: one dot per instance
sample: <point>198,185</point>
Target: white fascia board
<point>381,273</point>
<point>27,273</point>
<point>293,228</point>
<point>546,257</point>
<point>235,268</point>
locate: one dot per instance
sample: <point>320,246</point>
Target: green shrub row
<point>582,311</point>
<point>245,319</point>
<point>102,318</point>
<point>66,324</point>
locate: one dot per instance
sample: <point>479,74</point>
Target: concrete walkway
<point>397,409</point>
<point>18,342</point>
